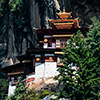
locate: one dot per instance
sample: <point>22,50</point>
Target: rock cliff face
<point>14,41</point>
<point>84,9</point>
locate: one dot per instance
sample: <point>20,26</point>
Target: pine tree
<point>94,42</point>
<point>80,74</point>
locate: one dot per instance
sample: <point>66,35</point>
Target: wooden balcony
<point>16,73</point>
<point>63,25</point>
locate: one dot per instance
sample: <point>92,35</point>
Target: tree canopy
<point>80,74</point>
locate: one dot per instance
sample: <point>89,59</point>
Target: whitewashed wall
<point>39,71</point>
<point>50,69</point>
<point>45,45</point>
<point>11,89</point>
<point>46,70</point>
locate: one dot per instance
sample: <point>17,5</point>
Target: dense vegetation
<point>81,72</point>
<point>3,88</point>
<point>19,91</point>
<point>22,93</point>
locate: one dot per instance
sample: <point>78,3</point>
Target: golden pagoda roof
<point>65,22</point>
<point>64,15</point>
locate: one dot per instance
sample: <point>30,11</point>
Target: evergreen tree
<point>81,72</point>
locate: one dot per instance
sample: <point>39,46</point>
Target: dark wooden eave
<point>8,69</point>
<point>16,73</point>
<point>23,58</point>
<point>42,32</point>
<point>41,51</point>
<point>30,53</point>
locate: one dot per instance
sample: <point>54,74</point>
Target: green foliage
<point>36,95</point>
<point>30,94</point>
<point>45,93</point>
<point>19,92</point>
<point>82,82</point>
<point>94,37</point>
<point>1,5</point>
<point>3,88</point>
<point>15,8</point>
<point>16,5</point>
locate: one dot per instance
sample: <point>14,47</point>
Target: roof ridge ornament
<point>64,21</point>
<point>64,9</point>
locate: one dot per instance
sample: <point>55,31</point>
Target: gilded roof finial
<point>64,9</point>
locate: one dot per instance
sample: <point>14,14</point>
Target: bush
<point>82,82</point>
<point>19,92</point>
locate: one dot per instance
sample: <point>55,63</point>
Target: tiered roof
<point>64,21</point>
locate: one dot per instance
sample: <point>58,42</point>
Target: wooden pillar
<point>42,58</point>
<point>33,63</point>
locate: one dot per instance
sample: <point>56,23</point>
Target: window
<point>62,43</point>
<point>57,40</point>
<point>62,40</point>
<point>12,79</point>
<point>49,44</point>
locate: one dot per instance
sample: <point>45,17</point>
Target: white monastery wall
<point>50,69</point>
<point>45,45</point>
<point>39,71</point>
<point>11,89</point>
<point>46,70</point>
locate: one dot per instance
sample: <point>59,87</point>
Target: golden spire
<point>64,9</point>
